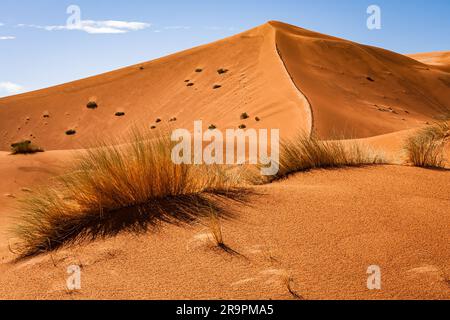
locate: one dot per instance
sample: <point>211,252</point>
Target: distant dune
<point>440,59</point>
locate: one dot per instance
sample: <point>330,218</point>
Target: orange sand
<point>322,228</point>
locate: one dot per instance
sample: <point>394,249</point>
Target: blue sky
<point>37,50</point>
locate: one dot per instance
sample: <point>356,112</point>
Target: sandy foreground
<point>321,229</point>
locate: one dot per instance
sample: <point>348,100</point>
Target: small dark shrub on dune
<point>25,147</point>
<point>198,70</point>
<point>128,184</point>
<point>120,114</point>
<point>426,149</point>
<point>244,116</point>
<point>217,86</point>
<point>222,71</point>
<point>92,105</point>
<point>71,132</point>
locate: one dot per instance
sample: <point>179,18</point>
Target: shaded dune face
<point>359,91</point>
<point>289,78</point>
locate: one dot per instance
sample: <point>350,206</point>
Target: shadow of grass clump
<point>130,185</point>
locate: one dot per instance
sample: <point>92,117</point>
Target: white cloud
<point>97,27</point>
<point>10,88</point>
<point>7,38</point>
<point>1,24</point>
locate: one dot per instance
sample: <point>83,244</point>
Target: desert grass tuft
<point>306,153</point>
<point>24,147</point>
<point>126,184</point>
<point>426,149</point>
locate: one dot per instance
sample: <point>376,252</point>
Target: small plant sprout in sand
<point>216,233</point>
<point>215,228</point>
<point>426,149</point>
<point>288,281</point>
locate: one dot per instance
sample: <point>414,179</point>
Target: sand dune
<point>322,228</point>
<point>355,91</point>
<point>440,59</point>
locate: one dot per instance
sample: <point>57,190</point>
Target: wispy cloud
<point>96,27</point>
<point>1,24</point>
<point>7,38</point>
<point>177,28</point>
<point>10,88</point>
<point>216,28</point>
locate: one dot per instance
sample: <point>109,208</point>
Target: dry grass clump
<point>24,147</point>
<point>427,148</point>
<point>306,153</point>
<point>121,185</point>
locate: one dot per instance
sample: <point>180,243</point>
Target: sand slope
<point>328,73</point>
<point>324,229</point>
<point>256,83</point>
